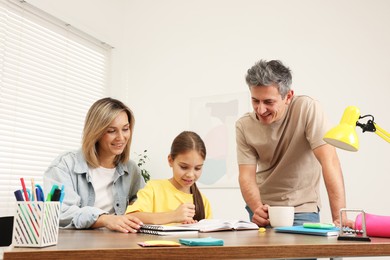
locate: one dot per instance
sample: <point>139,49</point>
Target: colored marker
<point>24,189</point>
<point>50,195</point>
<point>18,195</point>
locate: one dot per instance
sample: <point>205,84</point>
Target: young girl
<point>176,200</point>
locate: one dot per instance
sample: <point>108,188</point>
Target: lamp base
<point>354,238</point>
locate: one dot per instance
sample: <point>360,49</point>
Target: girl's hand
<point>192,221</point>
<point>185,213</point>
<point>121,223</point>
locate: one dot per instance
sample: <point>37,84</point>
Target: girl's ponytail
<point>198,201</point>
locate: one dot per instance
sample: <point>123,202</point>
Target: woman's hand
<point>121,223</point>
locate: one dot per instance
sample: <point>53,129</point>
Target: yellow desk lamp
<point>344,135</point>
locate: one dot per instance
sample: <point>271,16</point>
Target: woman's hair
<point>273,72</point>
<point>98,119</point>
<point>185,142</point>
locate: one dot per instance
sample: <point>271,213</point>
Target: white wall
<point>167,52</point>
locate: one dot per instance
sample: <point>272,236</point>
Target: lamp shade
<point>344,135</point>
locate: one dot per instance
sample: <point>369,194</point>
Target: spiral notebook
<point>166,230</point>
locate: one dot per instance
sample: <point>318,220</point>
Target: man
<point>281,152</point>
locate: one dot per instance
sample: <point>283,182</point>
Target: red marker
<point>24,189</point>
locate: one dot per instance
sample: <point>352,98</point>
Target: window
<point>50,74</point>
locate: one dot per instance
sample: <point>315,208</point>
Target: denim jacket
<point>77,210</point>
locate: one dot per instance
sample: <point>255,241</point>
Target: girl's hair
<point>189,141</point>
<point>98,119</point>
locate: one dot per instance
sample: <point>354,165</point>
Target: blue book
<point>309,231</point>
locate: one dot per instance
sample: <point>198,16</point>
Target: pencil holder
<point>36,224</point>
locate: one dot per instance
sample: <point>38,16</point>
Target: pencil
<point>34,191</point>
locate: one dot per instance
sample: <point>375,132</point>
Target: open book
<point>211,225</point>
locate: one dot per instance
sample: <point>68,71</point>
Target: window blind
<point>50,74</point>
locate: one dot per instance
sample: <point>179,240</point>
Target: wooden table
<point>105,244</point>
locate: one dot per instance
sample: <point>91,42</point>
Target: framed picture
<point>214,118</point>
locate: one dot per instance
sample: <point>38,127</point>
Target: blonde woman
<point>99,180</point>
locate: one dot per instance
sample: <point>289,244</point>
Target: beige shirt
<point>288,173</point>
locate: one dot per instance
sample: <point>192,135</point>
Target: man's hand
<point>347,223</point>
<point>260,216</point>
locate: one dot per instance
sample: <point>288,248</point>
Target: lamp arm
<point>382,133</point>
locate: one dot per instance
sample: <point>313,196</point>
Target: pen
<point>319,225</point>
<point>51,193</point>
<point>62,193</point>
<point>40,194</point>
<point>24,189</point>
<point>56,195</point>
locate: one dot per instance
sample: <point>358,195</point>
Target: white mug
<point>281,216</point>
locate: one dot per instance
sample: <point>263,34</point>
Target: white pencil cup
<point>36,224</point>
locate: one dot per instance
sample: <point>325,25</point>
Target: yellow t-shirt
<point>162,196</point>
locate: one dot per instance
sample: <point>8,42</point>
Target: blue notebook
<point>309,231</point>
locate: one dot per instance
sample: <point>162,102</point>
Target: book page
<point>206,225</point>
<point>209,225</point>
<point>243,224</point>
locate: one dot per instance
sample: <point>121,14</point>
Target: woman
<point>99,180</point>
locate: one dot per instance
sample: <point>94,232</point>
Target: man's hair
<point>98,119</point>
<point>271,73</point>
